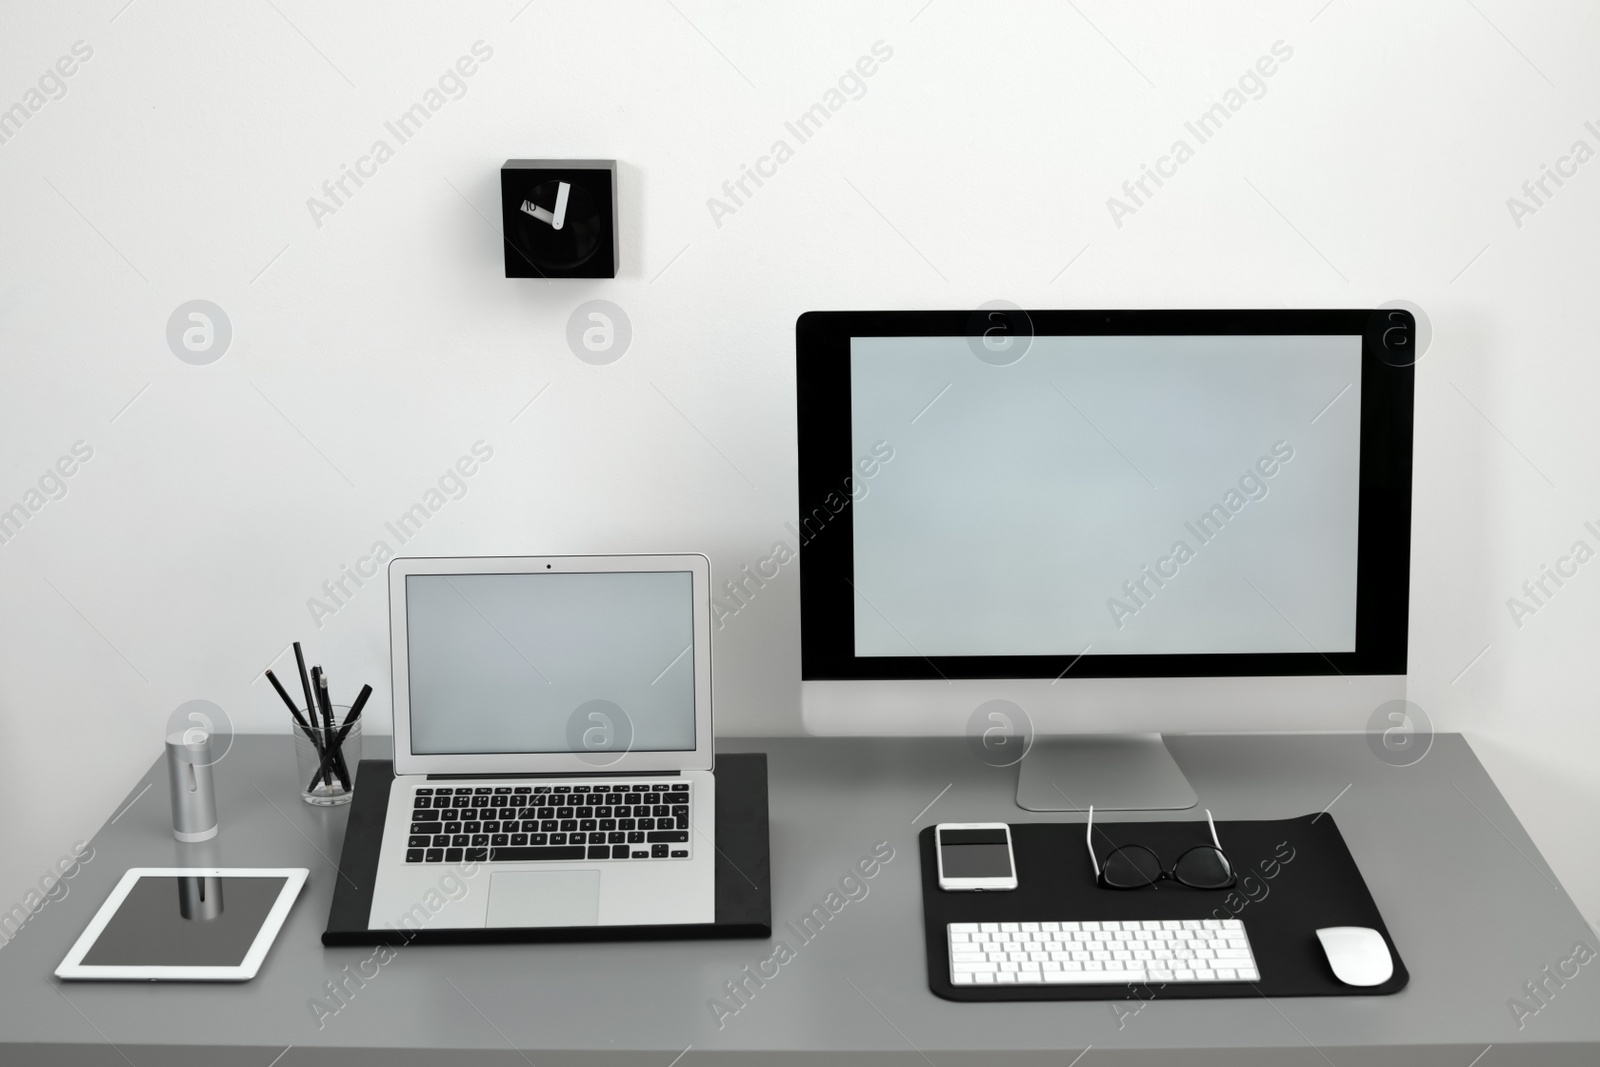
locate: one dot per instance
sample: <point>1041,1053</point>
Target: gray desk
<point>1472,905</point>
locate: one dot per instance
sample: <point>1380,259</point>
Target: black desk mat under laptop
<point>744,879</point>
<point>1296,875</point>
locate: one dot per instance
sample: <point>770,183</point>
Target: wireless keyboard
<point>1100,953</point>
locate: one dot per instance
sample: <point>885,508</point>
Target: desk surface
<point>1440,849</point>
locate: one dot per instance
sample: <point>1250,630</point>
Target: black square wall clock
<point>560,217</point>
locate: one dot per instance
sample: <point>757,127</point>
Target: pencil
<point>294,711</point>
<point>349,721</point>
<point>321,681</point>
<point>305,682</point>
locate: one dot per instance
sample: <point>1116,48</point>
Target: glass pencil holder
<point>325,761</point>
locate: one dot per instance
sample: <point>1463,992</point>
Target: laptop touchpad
<point>544,898</point>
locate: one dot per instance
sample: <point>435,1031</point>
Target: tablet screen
<point>187,921</point>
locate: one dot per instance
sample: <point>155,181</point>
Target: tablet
<point>205,924</point>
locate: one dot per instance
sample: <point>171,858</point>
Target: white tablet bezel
<point>294,878</point>
<point>407,762</point>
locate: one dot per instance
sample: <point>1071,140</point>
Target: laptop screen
<point>551,663</point>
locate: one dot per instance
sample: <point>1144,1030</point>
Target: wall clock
<point>559,218</point>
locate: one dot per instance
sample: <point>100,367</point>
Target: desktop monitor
<point>1090,527</point>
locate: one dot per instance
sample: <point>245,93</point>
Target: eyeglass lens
<point>1133,866</point>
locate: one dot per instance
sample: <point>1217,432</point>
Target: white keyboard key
<point>1010,927</point>
<point>962,978</point>
<point>1092,977</point>
<point>968,957</point>
<point>1006,976</point>
<point>975,966</point>
<point>989,927</point>
<point>1226,974</point>
<point>963,928</point>
<point>1031,927</point>
<point>1248,974</point>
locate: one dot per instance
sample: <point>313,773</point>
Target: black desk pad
<point>744,876</point>
<point>1295,875</point>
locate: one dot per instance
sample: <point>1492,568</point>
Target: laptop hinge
<point>559,774</point>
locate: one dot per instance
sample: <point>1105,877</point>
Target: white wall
<point>370,352</point>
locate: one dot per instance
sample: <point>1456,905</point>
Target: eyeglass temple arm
<point>1213,826</point>
<point>1088,839</point>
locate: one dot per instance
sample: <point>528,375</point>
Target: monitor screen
<point>537,663</point>
<point>1109,495</point>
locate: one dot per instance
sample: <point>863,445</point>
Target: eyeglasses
<point>1135,866</point>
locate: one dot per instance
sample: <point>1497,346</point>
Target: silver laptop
<point>552,743</point>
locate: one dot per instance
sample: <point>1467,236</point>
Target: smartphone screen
<point>975,853</point>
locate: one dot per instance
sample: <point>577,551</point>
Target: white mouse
<point>1357,954</point>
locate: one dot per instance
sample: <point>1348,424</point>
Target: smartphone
<point>975,856</point>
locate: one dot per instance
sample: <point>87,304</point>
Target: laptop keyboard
<point>496,824</point>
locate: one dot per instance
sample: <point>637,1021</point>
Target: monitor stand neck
<point>1113,772</point>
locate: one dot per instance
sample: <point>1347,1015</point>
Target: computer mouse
<point>1357,954</point>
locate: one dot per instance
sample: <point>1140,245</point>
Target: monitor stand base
<point>1113,772</point>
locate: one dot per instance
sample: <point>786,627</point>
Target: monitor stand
<point>1113,772</point>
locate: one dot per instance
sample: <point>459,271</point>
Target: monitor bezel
<point>700,757</point>
<point>827,474</point>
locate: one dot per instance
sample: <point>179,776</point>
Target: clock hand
<point>561,205</point>
<point>559,217</point>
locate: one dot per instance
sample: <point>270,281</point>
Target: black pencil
<point>294,711</point>
<point>349,721</point>
<point>300,721</point>
<point>340,766</point>
<point>320,681</point>
<point>305,682</point>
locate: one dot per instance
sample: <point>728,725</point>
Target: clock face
<point>558,225</point>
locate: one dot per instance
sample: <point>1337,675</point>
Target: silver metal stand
<point>1113,772</point>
